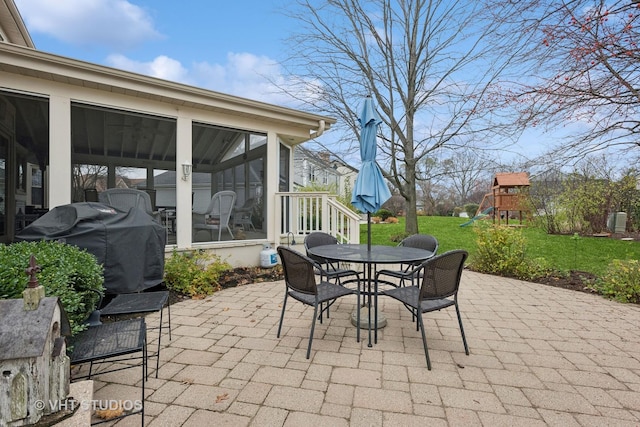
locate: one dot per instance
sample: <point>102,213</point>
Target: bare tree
<point>86,176</point>
<point>396,204</point>
<point>467,172</point>
<point>427,64</point>
<point>585,69</point>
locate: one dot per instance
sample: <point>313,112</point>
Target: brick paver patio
<point>539,356</point>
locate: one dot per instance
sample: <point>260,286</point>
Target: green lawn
<point>591,254</point>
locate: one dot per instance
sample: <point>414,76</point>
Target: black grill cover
<point>130,245</point>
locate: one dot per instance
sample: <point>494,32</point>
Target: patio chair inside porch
<point>217,216</point>
<point>242,215</point>
<point>127,198</point>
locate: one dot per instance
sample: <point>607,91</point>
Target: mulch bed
<point>579,280</point>
<point>245,275</point>
<point>575,281</point>
<point>635,235</point>
<point>241,276</point>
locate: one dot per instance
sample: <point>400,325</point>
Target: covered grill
<point>130,245</point>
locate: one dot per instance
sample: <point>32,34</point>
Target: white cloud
<point>161,67</point>
<point>118,25</point>
<point>244,74</point>
<point>115,24</point>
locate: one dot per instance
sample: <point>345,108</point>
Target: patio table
<point>370,257</point>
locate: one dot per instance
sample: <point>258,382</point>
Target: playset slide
<point>481,215</point>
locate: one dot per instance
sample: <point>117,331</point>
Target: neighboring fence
<point>301,213</point>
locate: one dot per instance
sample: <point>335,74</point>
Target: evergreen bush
<point>383,214</point>
<point>67,272</point>
<point>471,209</point>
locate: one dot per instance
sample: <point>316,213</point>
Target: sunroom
<point>70,130</point>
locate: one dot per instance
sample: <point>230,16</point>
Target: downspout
<point>320,131</point>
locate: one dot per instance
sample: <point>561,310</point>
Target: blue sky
<point>232,46</point>
<point>227,46</point>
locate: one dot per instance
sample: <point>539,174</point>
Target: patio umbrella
<point>370,190</point>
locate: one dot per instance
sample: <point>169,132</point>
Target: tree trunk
<point>411,218</point>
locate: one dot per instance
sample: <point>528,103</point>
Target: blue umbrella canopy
<point>370,190</point>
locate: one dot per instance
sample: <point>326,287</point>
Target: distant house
<point>61,117</point>
<point>347,177</point>
<point>313,168</point>
<point>322,169</point>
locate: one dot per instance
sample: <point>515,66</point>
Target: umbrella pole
<point>368,231</point>
<point>369,276</point>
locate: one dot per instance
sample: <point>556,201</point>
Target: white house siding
<point>310,168</point>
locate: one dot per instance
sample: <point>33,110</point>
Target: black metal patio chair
<point>300,281</point>
<point>141,303</point>
<point>328,269</point>
<point>439,289</point>
<point>409,271</point>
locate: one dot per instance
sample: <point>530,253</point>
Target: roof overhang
<point>41,65</point>
<point>13,26</point>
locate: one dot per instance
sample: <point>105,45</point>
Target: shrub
<point>376,219</point>
<point>195,274</point>
<point>67,272</point>
<point>501,251</point>
<point>383,214</point>
<point>392,220</point>
<point>621,281</point>
<point>397,238</point>
<point>471,209</point>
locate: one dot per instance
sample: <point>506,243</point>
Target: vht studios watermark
<point>102,405</point>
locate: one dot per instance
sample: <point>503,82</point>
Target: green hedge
<point>66,271</point>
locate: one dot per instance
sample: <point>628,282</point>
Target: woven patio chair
<point>300,281</point>
<point>439,289</point>
<point>408,271</point>
<point>329,269</point>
